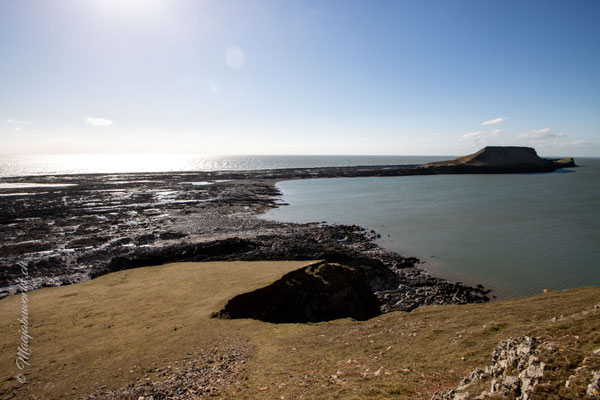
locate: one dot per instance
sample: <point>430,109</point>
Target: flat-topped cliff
<point>501,159</point>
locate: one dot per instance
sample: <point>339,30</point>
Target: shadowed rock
<point>500,159</point>
<point>320,292</point>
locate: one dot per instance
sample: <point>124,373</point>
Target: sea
<point>516,234</point>
<point>55,164</point>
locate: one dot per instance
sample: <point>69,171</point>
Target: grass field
<point>131,325</point>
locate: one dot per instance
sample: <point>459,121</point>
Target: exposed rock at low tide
<point>70,228</point>
<point>96,226</point>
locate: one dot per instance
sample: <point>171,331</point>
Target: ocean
<point>55,164</point>
<point>516,234</point>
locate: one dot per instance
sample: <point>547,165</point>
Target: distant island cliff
<point>501,159</point>
<point>489,160</point>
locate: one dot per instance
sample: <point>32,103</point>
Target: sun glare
<point>133,8</point>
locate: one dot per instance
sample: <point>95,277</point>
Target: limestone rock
<point>514,372</point>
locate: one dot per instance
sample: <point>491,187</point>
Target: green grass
<point>121,327</point>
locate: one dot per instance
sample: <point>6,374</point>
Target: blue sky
<point>299,77</point>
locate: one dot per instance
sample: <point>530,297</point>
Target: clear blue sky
<point>299,77</point>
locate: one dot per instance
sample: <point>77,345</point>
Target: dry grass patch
<point>123,326</point>
<point>114,329</point>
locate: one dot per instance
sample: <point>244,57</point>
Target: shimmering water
<point>25,165</point>
<point>516,234</point>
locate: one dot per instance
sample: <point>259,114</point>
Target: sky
<point>299,77</point>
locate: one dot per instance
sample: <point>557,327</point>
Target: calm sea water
<point>121,163</point>
<point>516,234</point>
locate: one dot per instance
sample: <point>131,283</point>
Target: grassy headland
<point>141,325</point>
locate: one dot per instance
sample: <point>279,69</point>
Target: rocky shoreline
<point>70,228</point>
<point>65,229</point>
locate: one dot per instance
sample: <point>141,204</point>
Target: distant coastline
<point>75,164</point>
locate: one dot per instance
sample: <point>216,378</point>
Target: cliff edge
<point>500,159</point>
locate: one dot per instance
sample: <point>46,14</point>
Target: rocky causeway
<point>70,228</point>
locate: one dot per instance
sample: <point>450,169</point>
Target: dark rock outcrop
<point>319,292</point>
<point>497,159</point>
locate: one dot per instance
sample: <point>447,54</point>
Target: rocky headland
<point>148,333</point>
<point>501,159</point>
